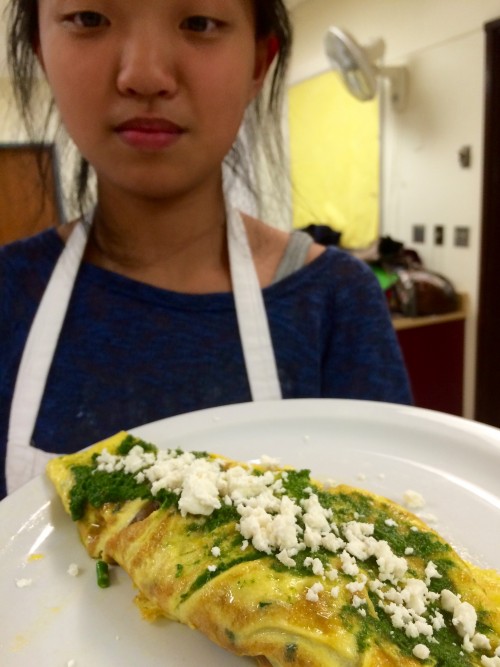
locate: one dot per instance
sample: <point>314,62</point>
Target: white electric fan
<point>360,67</point>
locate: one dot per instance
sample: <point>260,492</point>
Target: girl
<point>162,298</point>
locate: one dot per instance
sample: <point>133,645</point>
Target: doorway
<point>487,402</point>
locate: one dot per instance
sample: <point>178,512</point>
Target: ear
<point>265,51</point>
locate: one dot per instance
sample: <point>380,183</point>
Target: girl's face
<point>152,91</point>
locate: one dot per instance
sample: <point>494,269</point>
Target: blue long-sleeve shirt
<point>130,353</point>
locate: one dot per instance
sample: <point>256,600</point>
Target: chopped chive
<point>102,572</point>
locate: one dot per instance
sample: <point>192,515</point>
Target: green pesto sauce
<point>369,630</point>
<point>230,635</point>
<point>481,625</point>
<point>346,507</point>
<point>97,487</point>
<point>207,575</point>
<point>290,652</point>
<point>444,567</point>
<point>295,482</point>
<point>424,544</point>
<point>299,568</point>
<point>130,441</point>
<point>219,517</point>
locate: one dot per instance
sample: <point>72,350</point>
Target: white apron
<point>24,461</point>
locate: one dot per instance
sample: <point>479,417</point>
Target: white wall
<point>442,43</point>
<point>11,129</point>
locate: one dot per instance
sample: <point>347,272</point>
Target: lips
<point>149,133</point>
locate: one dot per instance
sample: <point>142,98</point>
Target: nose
<point>147,66</point>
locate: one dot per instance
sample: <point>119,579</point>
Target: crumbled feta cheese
<point>268,531</point>
<point>431,572</point>
<point>357,601</point>
<point>438,621</point>
<point>409,551</point>
<point>390,522</point>
<point>200,494</point>
<point>312,593</point>
<point>212,568</point>
<point>73,570</point>
<point>358,539</point>
<point>391,567</point>
<point>316,565</point>
<point>467,645</point>
<point>285,558</point>
<point>269,461</point>
<point>335,592</point>
<point>421,651</point>
<point>490,662</point>
<point>23,583</point>
<point>215,552</point>
<point>481,642</point>
<point>332,542</point>
<point>357,586</point>
<point>349,565</point>
<point>413,499</point>
<point>464,614</point>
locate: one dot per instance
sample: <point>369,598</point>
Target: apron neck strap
<point>253,324</point>
<point>48,322</point>
<point>38,354</point>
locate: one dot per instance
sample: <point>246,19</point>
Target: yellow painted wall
<point>334,153</point>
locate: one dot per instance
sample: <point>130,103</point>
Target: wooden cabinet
<point>29,190</point>
<point>433,349</point>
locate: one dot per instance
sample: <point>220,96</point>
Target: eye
<point>87,19</point>
<point>201,24</point>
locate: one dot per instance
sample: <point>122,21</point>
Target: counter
<point>433,348</point>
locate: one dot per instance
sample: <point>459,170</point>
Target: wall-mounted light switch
<point>465,157</point>
<point>462,237</point>
<point>438,235</point>
<point>418,233</point>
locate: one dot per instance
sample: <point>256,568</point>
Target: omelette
<point>271,564</point>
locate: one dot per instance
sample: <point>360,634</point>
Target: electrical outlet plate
<point>462,237</point>
<point>418,234</point>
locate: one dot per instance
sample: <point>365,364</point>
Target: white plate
<point>452,462</point>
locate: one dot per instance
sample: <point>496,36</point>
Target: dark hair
<point>271,18</point>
